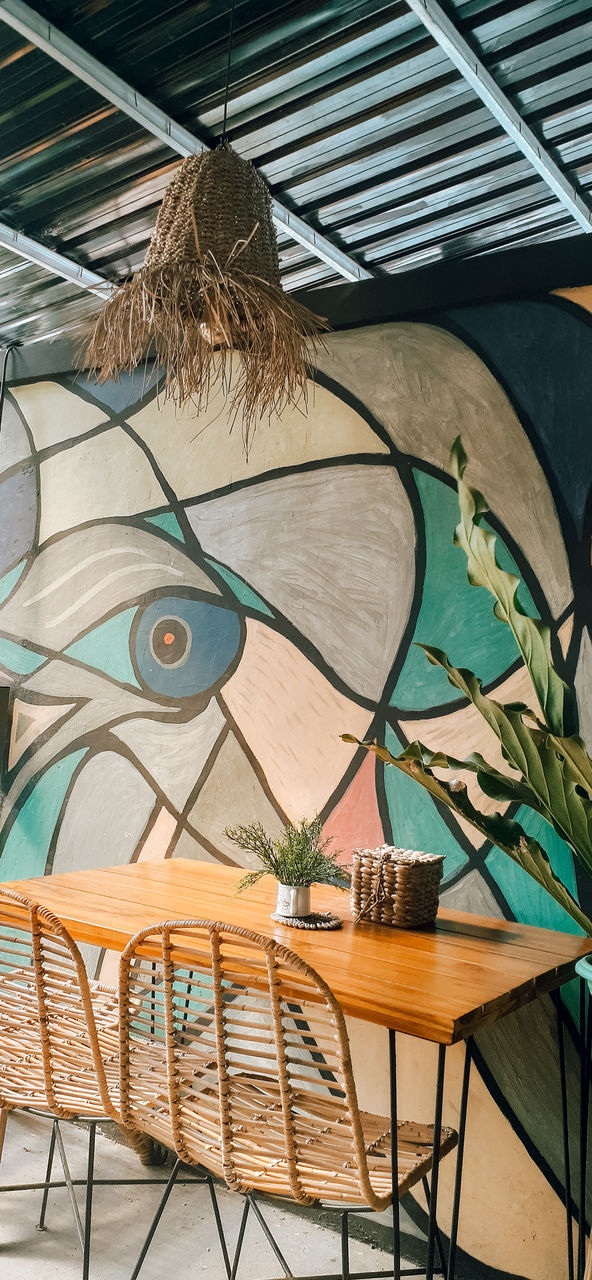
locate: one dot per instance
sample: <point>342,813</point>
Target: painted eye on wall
<point>181,647</point>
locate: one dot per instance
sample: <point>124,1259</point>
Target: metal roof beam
<point>52,261</point>
<point>81,64</point>
<point>472,69</point>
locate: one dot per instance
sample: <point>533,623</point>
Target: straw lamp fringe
<point>210,287</point>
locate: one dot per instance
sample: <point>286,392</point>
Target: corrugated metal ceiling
<point>354,115</point>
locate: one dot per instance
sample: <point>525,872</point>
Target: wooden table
<point>441,984</point>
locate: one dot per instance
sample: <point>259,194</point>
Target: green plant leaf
<point>299,857</point>
<point>502,831</point>
<point>532,636</point>
<point>547,771</point>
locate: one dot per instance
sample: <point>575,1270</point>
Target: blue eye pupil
<point>184,647</point>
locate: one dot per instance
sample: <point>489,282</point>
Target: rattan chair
<point>254,1079</point>
<point>59,1046</point>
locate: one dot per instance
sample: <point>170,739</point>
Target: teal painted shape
<point>14,657</point>
<point>167,521</point>
<point>106,648</point>
<point>27,845</point>
<point>10,580</point>
<point>240,589</point>
<point>453,616</point>
<point>415,821</point>
<point>530,903</point>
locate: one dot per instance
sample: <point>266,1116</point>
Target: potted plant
<point>297,860</point>
<point>551,769</point>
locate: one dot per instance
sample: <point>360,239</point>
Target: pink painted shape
<point>355,821</point>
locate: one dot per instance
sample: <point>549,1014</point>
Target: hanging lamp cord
<point>224,137</point>
<point>10,346</point>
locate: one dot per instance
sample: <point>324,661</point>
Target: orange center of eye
<point>169,638</point>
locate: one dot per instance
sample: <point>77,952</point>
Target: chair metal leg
<point>270,1239</point>
<point>70,1185</point>
<point>239,1240</point>
<point>219,1227</point>
<point>439,1245</point>
<point>345,1246</point>
<point>156,1219</point>
<point>52,1144</point>
<point>3,1122</point>
<point>90,1168</point>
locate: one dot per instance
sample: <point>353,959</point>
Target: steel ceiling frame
<point>30,24</point>
<point>53,42</point>
<point>454,45</point>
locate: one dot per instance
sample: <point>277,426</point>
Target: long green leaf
<point>504,832</point>
<point>537,756</point>
<point>531,635</point>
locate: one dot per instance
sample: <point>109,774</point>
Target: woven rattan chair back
<point>49,1050</point>
<point>235,1052</point>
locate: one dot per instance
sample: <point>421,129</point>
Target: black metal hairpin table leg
<point>462,1125</point>
<point>585,1047</point>
<point>394,1156</point>
<point>435,1163</point>
<point>565,1125</point>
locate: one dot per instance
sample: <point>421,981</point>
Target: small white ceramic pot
<point>293,900</point>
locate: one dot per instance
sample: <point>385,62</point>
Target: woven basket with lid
<point>393,886</point>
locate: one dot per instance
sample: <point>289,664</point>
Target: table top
<point>440,983</point>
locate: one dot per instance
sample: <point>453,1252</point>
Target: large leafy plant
<point>551,769</point>
<point>299,857</point>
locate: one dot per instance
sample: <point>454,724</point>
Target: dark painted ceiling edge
<point>517,273</point>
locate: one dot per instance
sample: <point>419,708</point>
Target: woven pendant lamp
<point>210,287</point>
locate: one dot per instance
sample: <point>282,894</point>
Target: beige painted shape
<point>201,453</point>
<point>54,413</point>
<point>565,633</point>
<point>510,1218</point>
<point>232,794</point>
<point>460,732</point>
<point>291,718</point>
<point>159,838</point>
<point>425,386</point>
<point>582,296</point>
<point>94,480</point>
<point>29,721</point>
<point>583,685</point>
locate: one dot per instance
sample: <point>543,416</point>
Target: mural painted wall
<point>186,633</point>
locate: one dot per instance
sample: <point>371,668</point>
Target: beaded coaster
<point>316,920</point>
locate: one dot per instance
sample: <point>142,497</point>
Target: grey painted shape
<point>14,442</point>
<point>188,847</point>
<point>101,702</point>
<point>18,516</point>
<point>522,1055</point>
<point>334,550</point>
<point>232,794</point>
<point>425,386</point>
<point>85,575</point>
<point>174,754</point>
<point>472,893</point>
<point>106,813</point>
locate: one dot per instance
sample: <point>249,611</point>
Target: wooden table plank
<point>441,983</point>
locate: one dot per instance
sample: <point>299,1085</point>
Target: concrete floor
<point>185,1246</point>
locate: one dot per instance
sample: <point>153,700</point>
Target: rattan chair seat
<point>241,1064</point>
<point>325,1167</point>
